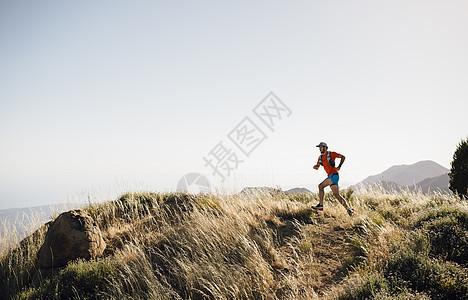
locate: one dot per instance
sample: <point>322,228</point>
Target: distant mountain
<point>438,183</point>
<point>19,219</point>
<point>406,175</point>
<point>252,190</point>
<point>17,223</point>
<point>271,190</point>
<point>388,186</point>
<point>298,190</point>
<point>425,175</point>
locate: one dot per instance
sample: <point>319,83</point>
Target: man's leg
<point>336,193</point>
<point>322,187</point>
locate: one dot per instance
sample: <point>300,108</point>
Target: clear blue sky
<point>105,96</point>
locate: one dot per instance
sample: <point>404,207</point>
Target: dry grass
<point>215,246</point>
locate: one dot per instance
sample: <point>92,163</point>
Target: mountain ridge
<point>425,175</point>
<point>408,174</point>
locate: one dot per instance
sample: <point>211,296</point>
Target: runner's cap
<point>322,144</point>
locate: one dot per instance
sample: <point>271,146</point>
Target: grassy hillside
<point>262,246</point>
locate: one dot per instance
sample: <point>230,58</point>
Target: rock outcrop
<point>72,235</point>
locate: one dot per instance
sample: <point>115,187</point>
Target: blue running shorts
<point>334,178</point>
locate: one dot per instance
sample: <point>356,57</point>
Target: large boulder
<point>72,235</point>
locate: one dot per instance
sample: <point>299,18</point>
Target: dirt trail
<point>331,248</point>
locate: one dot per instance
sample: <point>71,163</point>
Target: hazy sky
<point>103,96</point>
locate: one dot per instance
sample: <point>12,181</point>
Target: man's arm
<point>317,165</point>
<point>342,159</point>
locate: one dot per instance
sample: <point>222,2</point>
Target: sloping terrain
<point>258,246</point>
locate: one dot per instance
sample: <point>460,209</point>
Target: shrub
<point>447,229</point>
<point>82,280</point>
<point>442,280</point>
<point>371,285</point>
<point>459,171</point>
<point>376,286</point>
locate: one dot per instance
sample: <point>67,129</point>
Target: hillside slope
<point>260,246</point>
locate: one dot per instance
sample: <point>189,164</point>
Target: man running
<point>327,160</point>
